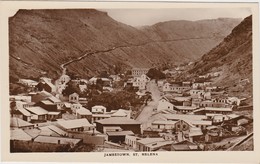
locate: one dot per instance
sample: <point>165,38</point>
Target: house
<point>139,71</point>
<point>105,81</point>
<point>185,146</point>
<point>122,113</point>
<point>196,93</point>
<point>77,125</point>
<point>46,86</point>
<point>38,113</point>
<point>58,140</point>
<point>163,125</point>
<point>96,117</point>
<point>160,83</point>
<point>21,112</point>
<point>51,130</point>
<point>84,113</point>
<point>218,110</point>
<point>142,144</point>
<point>115,77</point>
<point>17,123</point>
<point>20,135</point>
<point>181,101</point>
<point>20,98</point>
<point>64,79</point>
<point>125,123</point>
<point>75,106</point>
<point>98,109</point>
<point>177,88</point>
<point>177,117</point>
<point>28,82</point>
<point>235,121</point>
<point>164,104</point>
<point>131,140</point>
<point>74,98</point>
<point>198,85</point>
<point>53,115</point>
<point>43,95</point>
<point>118,136</point>
<point>184,109</point>
<point>195,134</point>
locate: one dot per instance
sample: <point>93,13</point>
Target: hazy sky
<point>140,17</point>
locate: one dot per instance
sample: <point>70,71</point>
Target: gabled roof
<point>99,106</point>
<point>218,109</point>
<point>77,123</point>
<point>83,111</point>
<point>74,94</point>
<point>54,99</point>
<point>17,122</point>
<point>118,121</point>
<point>55,140</point>
<point>37,110</point>
<point>184,117</point>
<point>120,133</point>
<point>19,134</point>
<point>120,113</point>
<point>146,141</point>
<point>158,122</point>
<point>24,111</point>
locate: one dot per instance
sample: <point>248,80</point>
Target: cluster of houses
<point>188,115</point>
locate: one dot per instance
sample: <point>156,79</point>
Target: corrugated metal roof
<point>55,140</point>
<point>77,123</point>
<point>19,134</point>
<point>17,122</point>
<point>37,110</point>
<point>118,120</point>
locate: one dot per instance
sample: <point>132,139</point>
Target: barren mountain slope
<point>42,40</point>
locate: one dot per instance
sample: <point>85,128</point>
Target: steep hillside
<point>233,56</point>
<point>42,40</point>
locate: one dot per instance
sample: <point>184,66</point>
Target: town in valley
<point>134,109</point>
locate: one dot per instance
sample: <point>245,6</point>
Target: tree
<point>154,73</point>
<point>71,88</point>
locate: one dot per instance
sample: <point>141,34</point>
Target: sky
<point>141,17</point>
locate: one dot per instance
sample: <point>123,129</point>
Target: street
<point>147,110</point>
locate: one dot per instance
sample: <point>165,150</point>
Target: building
<point>122,113</point>
<point>163,125</point>
<point>84,113</point>
<point>185,146</point>
<point>74,98</point>
<point>184,109</point>
<point>46,86</point>
<point>131,140</point>
<point>28,82</point>
<point>77,125</point>
<point>64,79</point>
<point>164,104</point>
<point>124,123</point>
<point>37,113</point>
<point>196,93</point>
<point>17,123</point>
<point>142,144</point>
<point>167,87</point>
<point>139,71</point>
<point>177,117</point>
<point>118,136</point>
<point>98,109</point>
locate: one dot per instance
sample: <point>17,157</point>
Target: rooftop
<point>164,122</point>
<point>218,109</point>
<point>55,140</point>
<point>146,141</point>
<point>77,123</point>
<point>37,110</point>
<point>118,121</point>
<point>185,107</point>
<point>17,122</point>
<point>19,134</point>
<point>120,133</point>
<point>83,111</point>
<point>184,117</point>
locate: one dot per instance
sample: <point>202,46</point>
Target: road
<point>148,110</point>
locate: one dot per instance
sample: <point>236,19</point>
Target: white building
<point>98,109</point>
<point>164,104</point>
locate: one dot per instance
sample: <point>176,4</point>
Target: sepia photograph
<point>131,81</point>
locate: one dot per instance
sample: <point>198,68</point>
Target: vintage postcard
<point>129,82</point>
